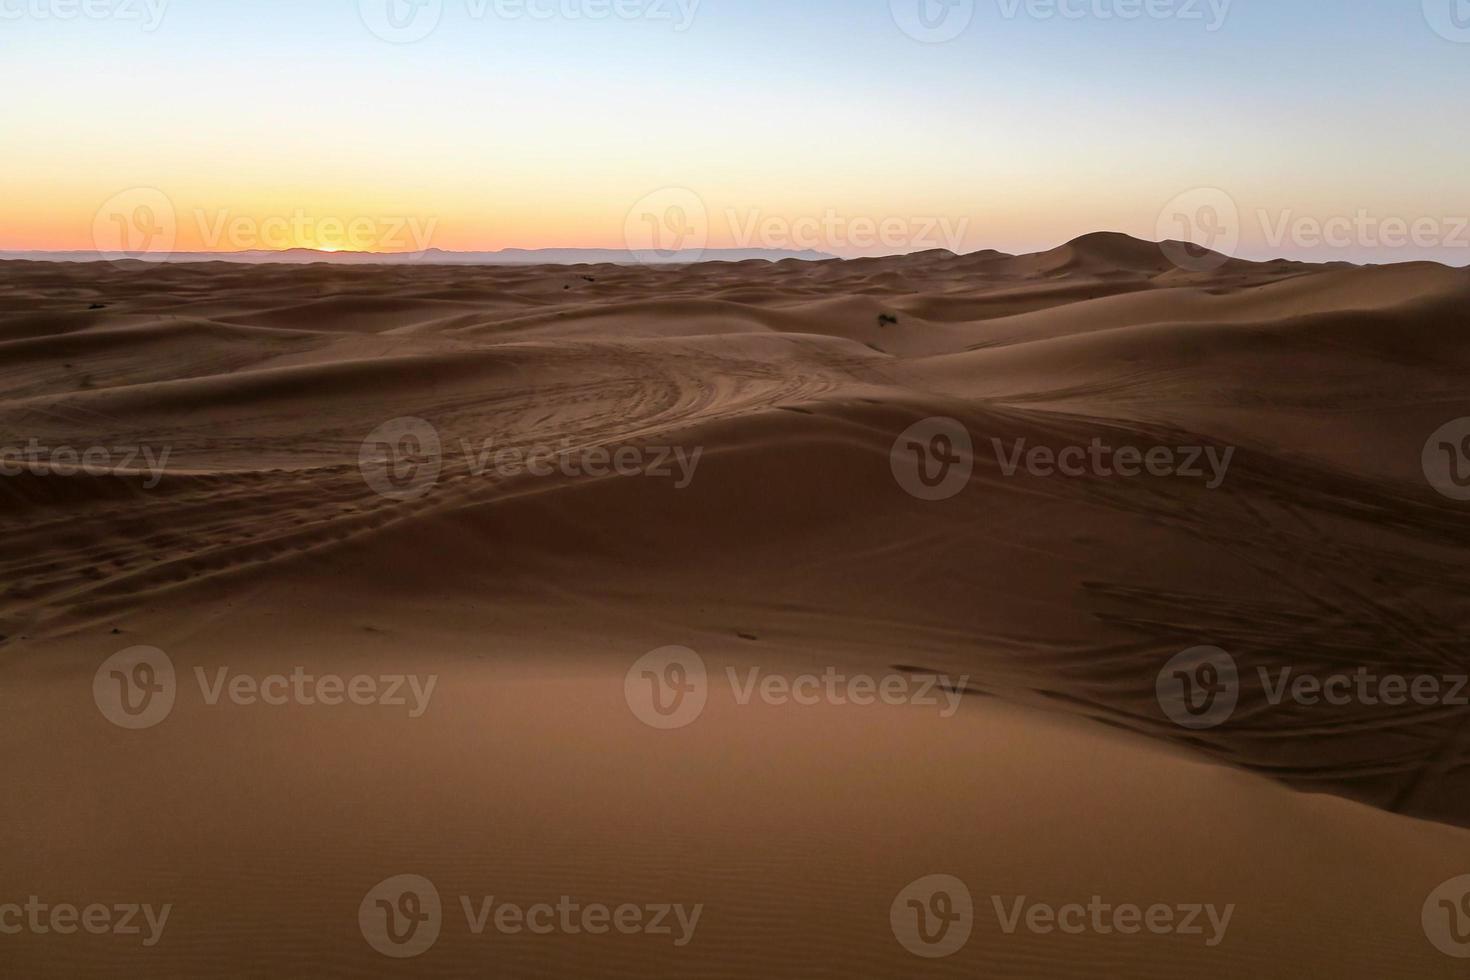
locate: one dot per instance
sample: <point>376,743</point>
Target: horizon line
<point>634,256</point>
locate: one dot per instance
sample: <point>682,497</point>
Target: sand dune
<point>781,539</point>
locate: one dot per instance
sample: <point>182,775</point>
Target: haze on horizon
<point>567,123</point>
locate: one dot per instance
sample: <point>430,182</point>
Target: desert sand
<point>1049,604</point>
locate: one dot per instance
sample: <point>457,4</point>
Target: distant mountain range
<point>436,256</point>
<point>1106,254</point>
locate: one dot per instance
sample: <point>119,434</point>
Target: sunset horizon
<point>914,489</point>
<point>437,113</point>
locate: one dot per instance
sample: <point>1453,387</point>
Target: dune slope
<point>249,514</point>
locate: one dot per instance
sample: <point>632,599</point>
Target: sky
<point>1270,127</point>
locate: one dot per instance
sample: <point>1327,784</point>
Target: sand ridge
<point>790,546</point>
